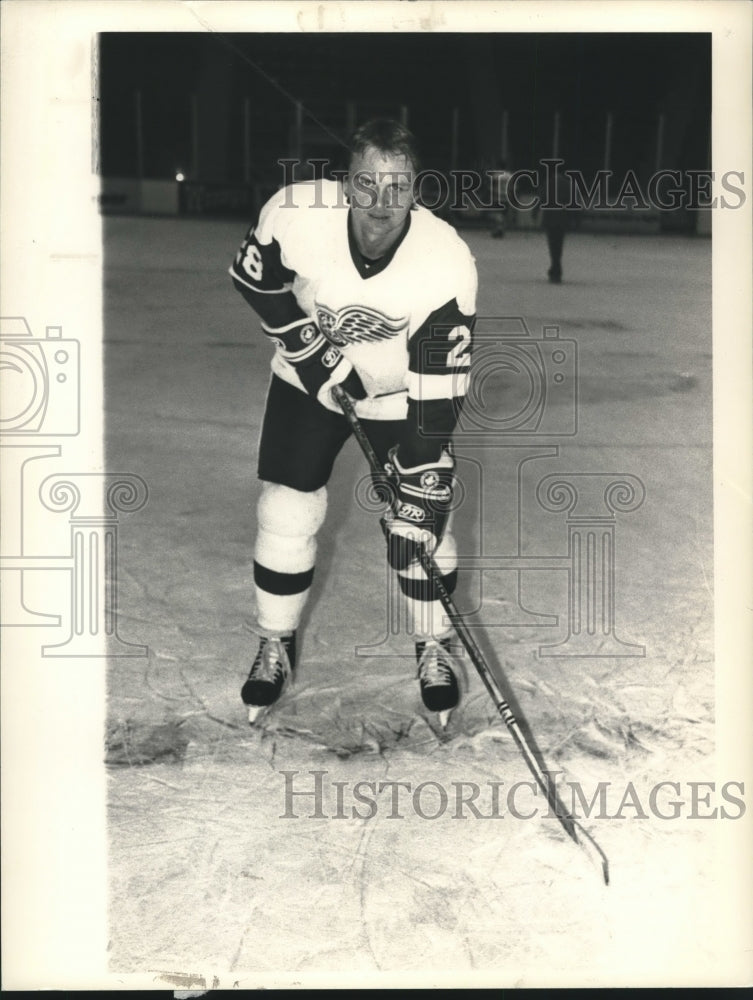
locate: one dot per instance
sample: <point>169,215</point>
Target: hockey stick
<point>497,686</point>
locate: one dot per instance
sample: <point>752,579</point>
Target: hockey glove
<point>422,500</point>
<point>318,363</point>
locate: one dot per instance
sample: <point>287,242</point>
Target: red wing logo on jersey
<point>357,324</point>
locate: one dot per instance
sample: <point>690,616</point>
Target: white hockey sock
<point>425,615</point>
<point>284,554</point>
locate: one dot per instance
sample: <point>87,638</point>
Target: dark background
<point>222,108</point>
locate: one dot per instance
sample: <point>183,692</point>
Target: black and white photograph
<point>376,472</point>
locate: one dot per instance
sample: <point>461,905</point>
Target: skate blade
<point>256,712</point>
<point>444,717</point>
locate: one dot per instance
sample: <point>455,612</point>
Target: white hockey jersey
<point>403,321</point>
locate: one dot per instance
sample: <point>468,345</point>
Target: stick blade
<point>593,852</point>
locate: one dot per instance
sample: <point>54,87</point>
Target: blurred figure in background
<point>554,193</point>
<point>499,178</point>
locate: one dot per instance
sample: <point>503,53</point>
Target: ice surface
<point>207,872</point>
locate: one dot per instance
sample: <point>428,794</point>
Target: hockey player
<point>556,216</point>
<point>357,285</point>
<point>499,182</point>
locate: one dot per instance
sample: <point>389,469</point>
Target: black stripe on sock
<point>282,584</point>
<point>423,590</point>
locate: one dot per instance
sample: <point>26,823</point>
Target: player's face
<point>380,189</point>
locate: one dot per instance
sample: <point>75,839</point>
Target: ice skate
<point>273,666</point>
<point>436,675</point>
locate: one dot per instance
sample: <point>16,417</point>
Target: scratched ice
<point>206,875</point>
